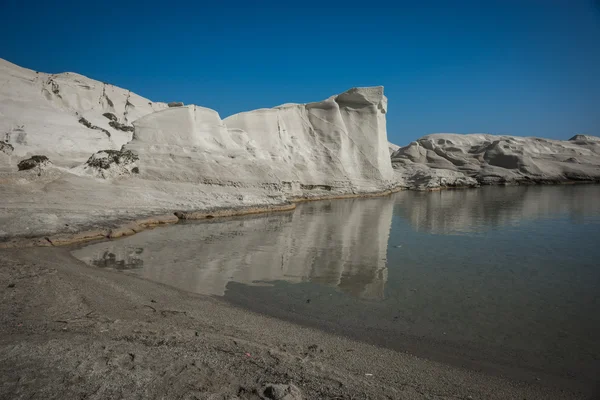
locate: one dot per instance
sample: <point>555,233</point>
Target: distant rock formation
<point>452,160</point>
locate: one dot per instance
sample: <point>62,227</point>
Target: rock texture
<point>61,115</point>
<point>35,162</point>
<point>116,155</point>
<point>111,163</point>
<point>452,160</point>
<point>335,146</point>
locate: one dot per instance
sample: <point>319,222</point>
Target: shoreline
<point>131,227</point>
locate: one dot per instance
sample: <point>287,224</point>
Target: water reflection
<point>464,211</point>
<point>342,243</point>
<point>128,259</point>
<point>516,288</point>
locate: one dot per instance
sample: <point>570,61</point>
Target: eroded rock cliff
<point>66,116</point>
<point>115,155</point>
<point>336,146</point>
<point>452,160</point>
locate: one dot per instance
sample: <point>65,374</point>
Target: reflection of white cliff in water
<point>341,243</point>
<point>462,211</point>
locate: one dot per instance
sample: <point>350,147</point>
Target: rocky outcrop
<point>422,177</point>
<point>336,146</point>
<point>64,115</point>
<point>452,160</point>
<point>111,163</point>
<point>35,162</point>
<point>183,159</point>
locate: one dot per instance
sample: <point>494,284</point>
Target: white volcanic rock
<point>335,146</point>
<point>61,115</point>
<point>392,147</point>
<point>493,159</point>
<point>422,177</point>
<point>178,158</point>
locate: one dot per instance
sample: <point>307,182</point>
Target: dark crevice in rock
<point>108,100</point>
<point>121,127</point>
<point>110,116</point>
<point>316,187</point>
<point>88,124</point>
<point>128,104</point>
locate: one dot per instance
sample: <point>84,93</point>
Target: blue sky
<point>522,67</point>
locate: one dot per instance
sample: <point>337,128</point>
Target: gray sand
<point>72,331</point>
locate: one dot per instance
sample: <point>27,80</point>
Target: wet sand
<point>73,331</point>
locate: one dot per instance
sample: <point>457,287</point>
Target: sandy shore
<point>72,331</point>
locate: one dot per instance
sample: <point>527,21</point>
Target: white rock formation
<point>179,158</point>
<point>392,147</point>
<point>448,160</point>
<point>335,146</point>
<point>62,116</point>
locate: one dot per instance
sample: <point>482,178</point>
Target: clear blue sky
<point>523,67</point>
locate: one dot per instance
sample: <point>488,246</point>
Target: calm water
<point>505,280</point>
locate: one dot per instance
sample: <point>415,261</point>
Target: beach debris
<point>368,374</point>
<point>248,355</point>
<point>280,392</point>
